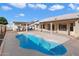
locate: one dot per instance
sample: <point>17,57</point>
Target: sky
<point>27,12</point>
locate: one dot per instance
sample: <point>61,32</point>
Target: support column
<point>35,27</point>
<point>26,27</point>
<point>68,29</point>
<point>57,28</point>
<point>39,27</point>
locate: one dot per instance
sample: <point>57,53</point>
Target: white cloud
<point>72,6</point>
<point>5,8</point>
<point>18,5</point>
<point>40,6</point>
<point>56,7</point>
<point>77,8</point>
<point>20,15</point>
<point>31,5</point>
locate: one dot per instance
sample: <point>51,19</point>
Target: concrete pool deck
<point>11,45</point>
<point>60,39</point>
<point>72,47</point>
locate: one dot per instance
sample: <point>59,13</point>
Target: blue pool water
<point>37,43</point>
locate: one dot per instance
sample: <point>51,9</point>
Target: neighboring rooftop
<point>62,17</point>
<point>31,23</point>
<point>21,22</point>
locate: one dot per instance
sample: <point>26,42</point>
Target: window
<point>71,26</point>
<point>62,27</point>
<point>53,26</point>
<point>43,26</point>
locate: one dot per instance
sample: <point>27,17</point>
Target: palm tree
<point>3,23</point>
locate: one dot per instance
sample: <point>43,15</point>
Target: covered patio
<point>62,27</point>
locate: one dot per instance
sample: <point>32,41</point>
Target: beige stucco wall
<point>15,26</point>
<point>56,23</point>
<point>76,29</point>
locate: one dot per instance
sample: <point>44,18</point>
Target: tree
<point>3,21</point>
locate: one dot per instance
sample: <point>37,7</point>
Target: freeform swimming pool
<point>37,43</point>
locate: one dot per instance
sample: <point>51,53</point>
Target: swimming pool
<point>37,43</point>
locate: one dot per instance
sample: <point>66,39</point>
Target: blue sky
<point>35,11</point>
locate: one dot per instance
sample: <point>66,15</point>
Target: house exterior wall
<point>48,27</point>
<point>75,31</point>
<point>76,28</point>
<point>15,26</point>
<point>43,26</point>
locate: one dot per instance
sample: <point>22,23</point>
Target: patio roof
<point>62,17</point>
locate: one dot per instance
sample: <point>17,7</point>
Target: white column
<point>35,27</point>
<point>39,27</point>
<point>68,28</point>
<point>57,27</point>
<point>26,27</point>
